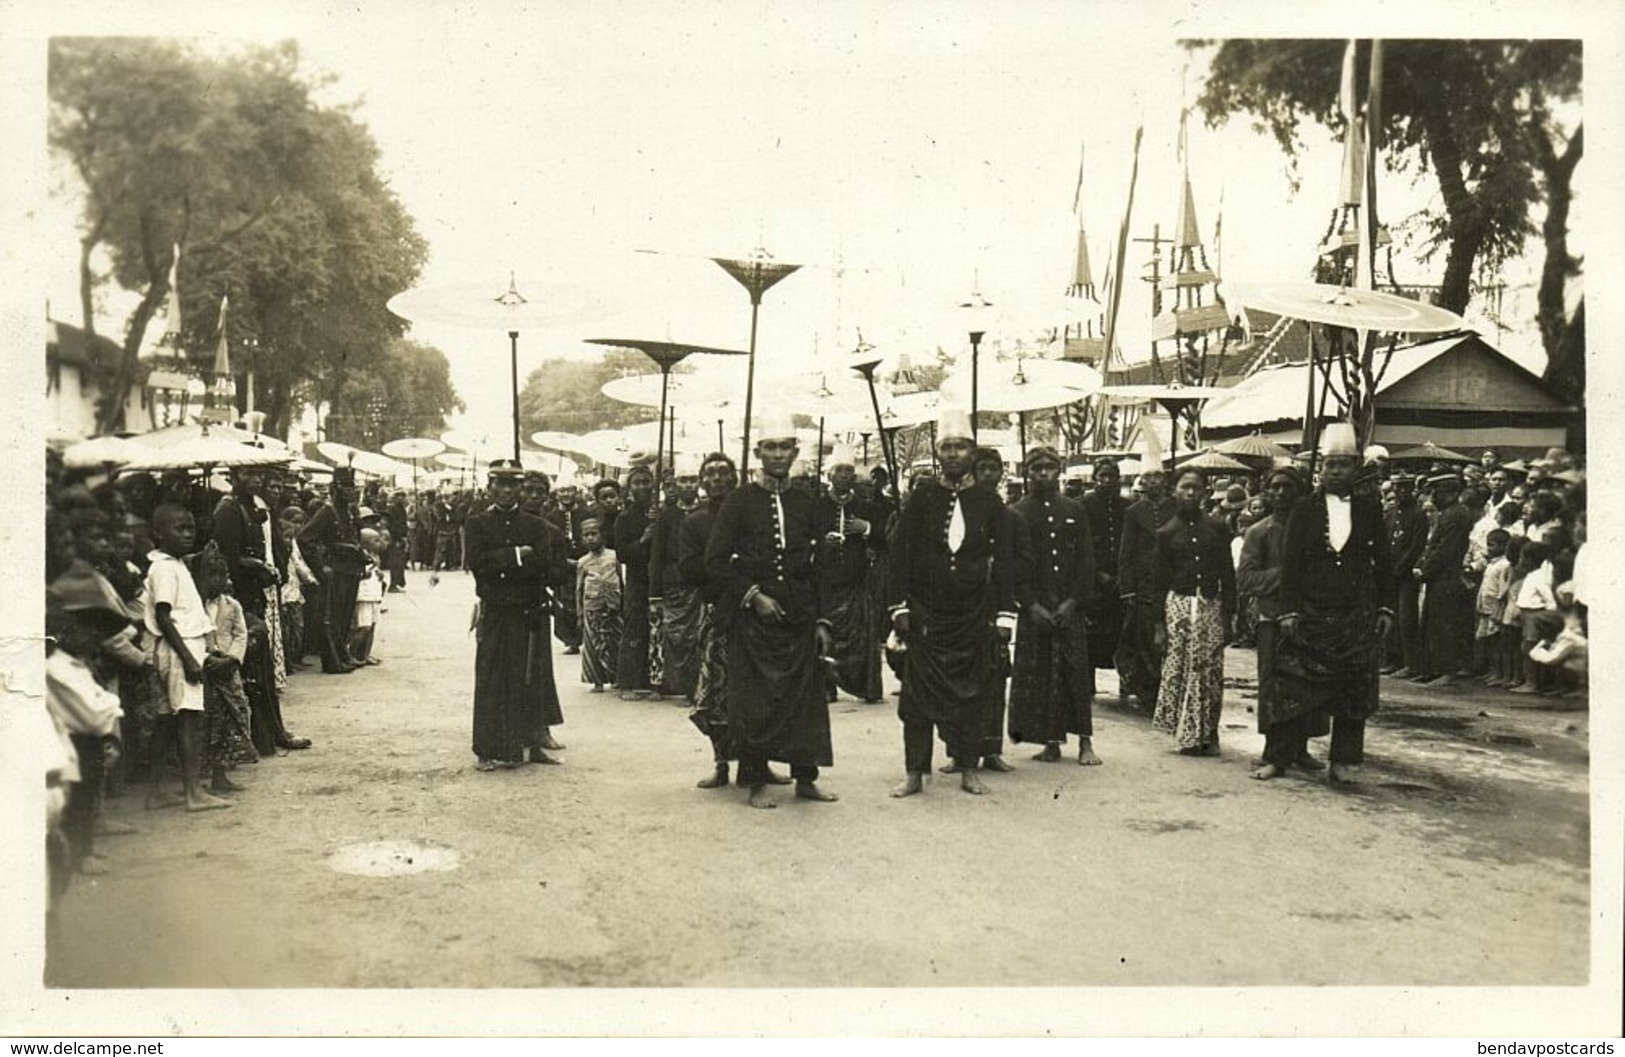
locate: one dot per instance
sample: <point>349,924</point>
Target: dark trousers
<point>1348,741</point>
<point>397,563</point>
<point>917,739</point>
<point>1285,742</point>
<point>1448,627</point>
<point>753,771</point>
<point>1408,628</point>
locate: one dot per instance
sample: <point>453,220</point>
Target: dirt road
<point>1462,859</point>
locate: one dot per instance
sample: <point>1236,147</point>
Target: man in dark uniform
<point>1448,619</point>
<point>568,516</point>
<point>1052,694</point>
<point>1258,573</point>
<point>514,561</point>
<point>632,534</point>
<point>851,538</point>
<point>332,542</point>
<point>1334,613</point>
<point>760,556</point>
<point>951,582</point>
<point>1139,660</point>
<point>535,497</point>
<point>1105,506</point>
<point>677,599</point>
<point>1407,528</point>
<point>987,468</point>
<point>395,516</point>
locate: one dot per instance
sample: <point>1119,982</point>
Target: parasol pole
<point>888,450</point>
<point>820,459</point>
<point>1021,431</point>
<point>513,345</point>
<point>660,434</point>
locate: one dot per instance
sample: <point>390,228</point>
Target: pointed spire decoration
<point>224,386</point>
<point>1187,233</point>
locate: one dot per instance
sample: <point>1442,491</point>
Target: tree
<point>566,395</point>
<point>1483,116</point>
<point>273,199</point>
<point>409,394</point>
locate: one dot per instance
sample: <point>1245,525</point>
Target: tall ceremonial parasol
<point>1028,385</point>
<point>485,306</point>
<point>1172,397</point>
<point>413,449</point>
<point>666,355</point>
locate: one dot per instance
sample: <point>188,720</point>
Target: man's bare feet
<point>996,763</point>
<point>1086,753</point>
<point>1051,753</point>
<point>774,778</point>
<point>94,866</point>
<point>551,745</point>
<point>1308,762</point>
<point>538,756</point>
<point>162,799</point>
<point>949,768</point>
<point>810,791</point>
<point>914,783</point>
<point>717,780</point>
<point>759,798</point>
<point>1341,774</point>
<point>970,783</point>
<point>202,801</point>
<point>1268,771</point>
<point>597,688</point>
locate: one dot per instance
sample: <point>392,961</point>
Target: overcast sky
<point>921,148</point>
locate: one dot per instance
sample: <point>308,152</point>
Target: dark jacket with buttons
<point>744,552</point>
<point>1063,552</point>
<point>922,568</point>
<point>490,543</point>
<point>1193,558</point>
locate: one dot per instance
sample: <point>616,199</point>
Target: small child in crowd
<point>598,600</point>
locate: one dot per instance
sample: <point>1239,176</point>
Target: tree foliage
<point>274,200</point>
<point>566,395</point>
<point>408,394</point>
<point>1486,118</point>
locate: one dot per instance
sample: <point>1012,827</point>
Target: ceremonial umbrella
<point>666,355</point>
<point>1174,398</point>
<point>1358,310</point>
<point>830,393</point>
<point>1253,446</point>
<point>206,452</point>
<point>456,460</point>
<point>414,448</point>
<point>1029,385</point>
<point>1212,460</point>
<point>108,451</point>
<point>1430,452</point>
<point>338,454</point>
<point>485,306</point>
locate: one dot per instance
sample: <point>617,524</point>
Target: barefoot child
<point>369,596</point>
<point>598,601</point>
<point>225,699</point>
<point>173,612</point>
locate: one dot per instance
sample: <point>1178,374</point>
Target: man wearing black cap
<point>1052,694</point>
<point>760,558</point>
<point>1407,528</point>
<point>333,541</point>
<point>1105,506</point>
<point>514,562</point>
<point>1448,618</point>
<point>1139,659</point>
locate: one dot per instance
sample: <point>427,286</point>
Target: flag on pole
<point>1114,302</point>
<point>1077,192</point>
<point>1352,184</point>
<point>159,340</point>
<point>224,386</point>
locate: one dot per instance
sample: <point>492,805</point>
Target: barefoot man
<point>760,560</point>
<point>1334,613</point>
<point>951,580</point>
<point>1053,691</point>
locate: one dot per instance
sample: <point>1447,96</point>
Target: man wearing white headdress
<point>850,538</point>
<point>1335,613</point>
<point>760,556</point>
<point>952,578</point>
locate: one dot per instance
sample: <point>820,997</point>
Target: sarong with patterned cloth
<point>657,647</point>
<point>1192,689</point>
<point>710,695</point>
<point>225,701</point>
<point>855,618</point>
<point>273,627</point>
<point>684,613</point>
<point>600,643</point>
